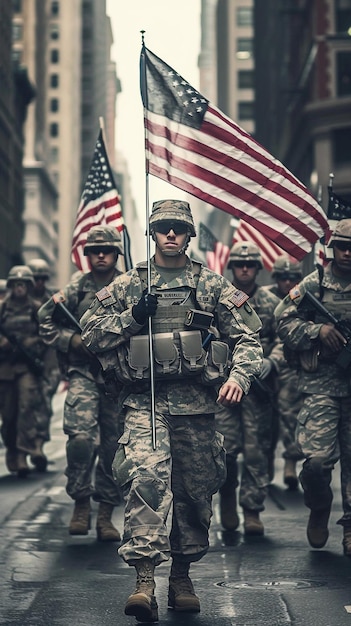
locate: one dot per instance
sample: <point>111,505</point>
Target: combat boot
<point>181,594</point>
<point>290,477</point>
<point>38,457</point>
<point>80,522</point>
<point>142,603</point>
<point>11,460</point>
<point>252,523</point>
<point>317,527</point>
<point>347,541</point>
<point>104,527</point>
<point>22,466</point>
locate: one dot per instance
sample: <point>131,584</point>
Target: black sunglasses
<point>290,277</point>
<point>164,227</point>
<point>248,264</point>
<point>101,249</point>
<point>343,245</point>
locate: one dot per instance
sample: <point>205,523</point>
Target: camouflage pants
<point>247,429</point>
<point>186,468</point>
<point>92,424</point>
<point>19,405</point>
<point>324,434</point>
<point>49,384</point>
<point>289,402</point>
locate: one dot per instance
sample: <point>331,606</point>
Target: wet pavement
<point>49,578</point>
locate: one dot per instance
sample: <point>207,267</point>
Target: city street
<point>48,578</point>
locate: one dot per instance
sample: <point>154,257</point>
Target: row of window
<point>55,7</point>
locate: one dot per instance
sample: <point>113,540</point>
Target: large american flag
<point>194,146</point>
<point>269,250</point>
<point>99,205</point>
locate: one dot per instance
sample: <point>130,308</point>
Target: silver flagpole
<point>148,255</point>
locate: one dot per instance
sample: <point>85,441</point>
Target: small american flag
<point>217,253</point>
<point>99,205</point>
<point>192,145</point>
<point>269,250</point>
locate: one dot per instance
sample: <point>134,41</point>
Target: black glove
<point>267,367</point>
<point>146,307</point>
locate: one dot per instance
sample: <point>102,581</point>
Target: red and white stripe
<point>269,250</point>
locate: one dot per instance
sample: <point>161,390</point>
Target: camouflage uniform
<point>90,419</point>
<point>187,466</point>
<point>19,385</point>
<point>248,428</point>
<point>324,427</point>
<point>52,374</point>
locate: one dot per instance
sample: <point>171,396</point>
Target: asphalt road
<point>48,578</point>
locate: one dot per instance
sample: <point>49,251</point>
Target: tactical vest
<point>182,343</point>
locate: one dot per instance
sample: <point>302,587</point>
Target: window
<point>54,31</point>
<point>343,16</point>
<point>17,6</point>
<point>54,130</point>
<point>244,16</point>
<point>341,146</point>
<point>245,79</point>
<point>54,105</point>
<point>245,110</point>
<point>343,73</point>
<point>244,48</point>
<point>54,56</point>
<point>55,8</point>
<point>54,153</point>
<point>17,56</point>
<point>16,32</point>
<point>54,80</point>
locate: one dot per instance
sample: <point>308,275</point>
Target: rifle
<point>343,359</point>
<point>30,359</point>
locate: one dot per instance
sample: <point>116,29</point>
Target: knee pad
<point>79,449</point>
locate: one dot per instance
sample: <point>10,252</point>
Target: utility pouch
<point>166,355</point>
<point>217,363</point>
<point>200,320</point>
<point>309,359</point>
<point>138,357</point>
<point>192,354</point>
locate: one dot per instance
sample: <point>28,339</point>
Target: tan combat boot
<point>104,527</point>
<point>80,522</point>
<point>11,460</point>
<point>142,603</point>
<point>252,523</point>
<point>22,466</point>
<point>347,541</point>
<point>317,527</point>
<point>38,457</point>
<point>181,594</point>
<point>290,476</point>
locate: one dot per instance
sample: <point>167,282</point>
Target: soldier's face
<point>19,289</point>
<point>102,259</point>
<point>170,239</point>
<point>285,282</point>
<point>244,273</point>
<point>342,257</point>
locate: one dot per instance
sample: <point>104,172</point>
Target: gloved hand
<point>267,365</point>
<point>146,307</point>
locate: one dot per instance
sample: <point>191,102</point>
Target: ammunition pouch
<point>177,355</point>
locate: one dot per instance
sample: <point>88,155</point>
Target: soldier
<point>20,370</point>
<point>52,374</point>
<point>248,429</point>
<point>287,271</point>
<point>199,322</point>
<point>90,418</point>
<point>324,426</point>
<point>3,288</point>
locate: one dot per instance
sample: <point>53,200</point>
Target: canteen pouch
<point>200,320</point>
<point>138,357</point>
<point>166,355</point>
<point>217,363</point>
<point>192,353</point>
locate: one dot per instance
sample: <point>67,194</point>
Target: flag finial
<point>142,36</point>
<point>331,176</point>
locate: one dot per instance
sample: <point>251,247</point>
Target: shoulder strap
<point>320,270</point>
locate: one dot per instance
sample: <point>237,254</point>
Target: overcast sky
<point>172,32</point>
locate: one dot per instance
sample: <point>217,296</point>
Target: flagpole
<point>148,256</point>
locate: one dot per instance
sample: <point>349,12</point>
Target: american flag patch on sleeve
<point>105,296</point>
<point>239,298</point>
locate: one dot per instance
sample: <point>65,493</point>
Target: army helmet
<point>3,285</point>
<point>103,237</point>
<point>39,268</point>
<point>286,264</point>
<point>172,211</point>
<point>245,251</point>
<point>20,272</point>
<point>342,233</point>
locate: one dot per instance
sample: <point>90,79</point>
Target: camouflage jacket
<point>299,330</point>
<point>264,303</point>
<point>107,325</point>
<point>57,332</point>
